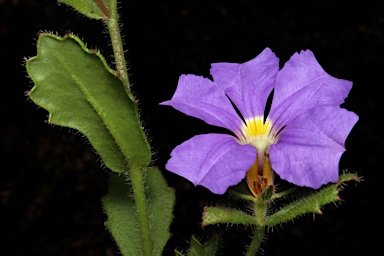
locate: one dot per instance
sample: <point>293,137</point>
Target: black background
<point>51,182</point>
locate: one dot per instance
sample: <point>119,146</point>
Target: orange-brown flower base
<point>260,175</point>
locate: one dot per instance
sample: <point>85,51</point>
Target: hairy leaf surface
<point>80,91</point>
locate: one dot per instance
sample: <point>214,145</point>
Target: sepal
<point>312,202</point>
<point>219,215</point>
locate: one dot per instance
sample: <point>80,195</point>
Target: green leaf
<point>123,220</point>
<point>217,215</point>
<point>94,9</point>
<point>210,248</point>
<point>310,203</point>
<point>80,91</point>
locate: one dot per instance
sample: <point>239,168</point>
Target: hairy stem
<point>117,44</point>
<point>135,173</point>
<point>136,177</point>
<point>256,241</point>
<point>260,209</point>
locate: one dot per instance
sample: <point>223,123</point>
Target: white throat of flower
<point>261,135</point>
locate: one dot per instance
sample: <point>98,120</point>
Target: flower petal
<point>331,121</point>
<point>309,148</point>
<point>301,85</point>
<point>200,97</point>
<point>249,84</point>
<point>215,161</point>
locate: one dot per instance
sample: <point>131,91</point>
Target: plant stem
<point>135,173</point>
<point>117,44</point>
<point>136,177</point>
<point>256,241</point>
<point>260,209</point>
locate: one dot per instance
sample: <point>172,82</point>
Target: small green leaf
<point>123,220</point>
<point>347,177</point>
<point>310,203</point>
<point>94,9</point>
<point>210,248</point>
<point>217,215</point>
<point>80,91</point>
<point>161,200</point>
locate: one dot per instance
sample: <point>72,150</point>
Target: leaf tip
<point>203,224</point>
<point>348,177</point>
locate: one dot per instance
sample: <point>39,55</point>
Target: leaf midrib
<point>89,100</point>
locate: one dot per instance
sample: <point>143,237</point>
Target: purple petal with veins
<point>249,84</point>
<point>309,148</point>
<point>199,97</point>
<point>215,161</point>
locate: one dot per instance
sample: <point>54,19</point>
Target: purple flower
<point>301,139</point>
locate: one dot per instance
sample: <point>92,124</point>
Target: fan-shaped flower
<point>301,139</point>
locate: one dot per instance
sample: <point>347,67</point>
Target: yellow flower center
<point>261,135</point>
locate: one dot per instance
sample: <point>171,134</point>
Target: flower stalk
<point>257,239</point>
<point>260,210</point>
